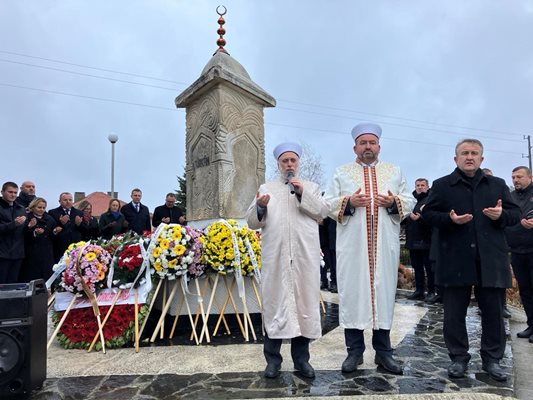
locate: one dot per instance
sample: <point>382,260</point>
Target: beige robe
<point>290,254</point>
<point>368,244</point>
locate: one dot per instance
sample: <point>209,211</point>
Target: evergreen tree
<point>181,194</point>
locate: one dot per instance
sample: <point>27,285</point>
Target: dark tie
<point>67,212</point>
<point>137,207</point>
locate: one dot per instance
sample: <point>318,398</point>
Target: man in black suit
<point>471,210</point>
<point>68,220</point>
<point>137,215</point>
<point>168,213</point>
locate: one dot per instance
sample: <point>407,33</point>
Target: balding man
<point>368,199</point>
<point>68,220</point>
<point>27,193</point>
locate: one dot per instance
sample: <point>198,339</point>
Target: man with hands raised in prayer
<point>288,210</point>
<point>470,211</point>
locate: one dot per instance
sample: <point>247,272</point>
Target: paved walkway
<point>234,370</point>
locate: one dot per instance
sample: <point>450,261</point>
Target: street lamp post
<point>113,138</point>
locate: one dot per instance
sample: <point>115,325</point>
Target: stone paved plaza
<point>231,369</point>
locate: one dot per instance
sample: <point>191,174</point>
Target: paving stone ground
<point>420,348</point>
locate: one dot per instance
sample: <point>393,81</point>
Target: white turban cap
<point>366,128</point>
<point>285,147</point>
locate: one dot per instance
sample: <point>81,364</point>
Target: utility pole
<point>528,156</point>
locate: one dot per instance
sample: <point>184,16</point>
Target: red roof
<point>99,201</point>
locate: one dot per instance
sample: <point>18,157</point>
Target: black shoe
<point>457,369</point>
<point>433,298</point>
<point>351,363</point>
<point>333,288</point>
<point>494,370</point>
<point>525,333</point>
<point>506,313</point>
<point>389,363</point>
<point>305,369</point>
<point>416,296</point>
<point>272,371</point>
<point>531,339</point>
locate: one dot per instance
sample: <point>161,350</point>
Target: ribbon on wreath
<point>237,261</point>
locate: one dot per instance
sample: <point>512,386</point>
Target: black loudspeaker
<point>23,331</point>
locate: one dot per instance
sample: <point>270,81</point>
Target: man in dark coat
<point>27,193</point>
<point>168,213</point>
<point>520,239</point>
<point>68,221</point>
<point>471,211</point>
<point>12,222</point>
<point>137,215</point>
<point>418,241</point>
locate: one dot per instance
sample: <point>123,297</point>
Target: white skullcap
<point>365,128</point>
<point>285,147</point>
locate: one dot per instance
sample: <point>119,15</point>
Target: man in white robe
<point>287,211</point>
<point>368,199</point>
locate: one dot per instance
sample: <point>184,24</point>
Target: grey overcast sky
<point>430,72</point>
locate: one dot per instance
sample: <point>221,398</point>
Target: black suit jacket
<point>137,221</point>
<point>70,233</point>
<point>163,211</point>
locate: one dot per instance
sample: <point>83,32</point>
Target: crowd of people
<point>33,239</point>
<point>459,233</point>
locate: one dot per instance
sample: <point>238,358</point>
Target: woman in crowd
<point>89,225</point>
<point>38,245</point>
<point>112,222</point>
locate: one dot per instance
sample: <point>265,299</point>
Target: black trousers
<point>420,262</point>
<point>9,270</point>
<point>355,341</point>
<point>490,301</point>
<point>330,259</point>
<point>523,272</point>
<point>299,350</point>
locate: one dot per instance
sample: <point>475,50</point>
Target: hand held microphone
<point>290,175</point>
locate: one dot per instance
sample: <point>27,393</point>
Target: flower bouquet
<point>126,270</point>
<point>89,259</point>
<point>228,247</point>
<point>172,252</point>
<point>80,327</point>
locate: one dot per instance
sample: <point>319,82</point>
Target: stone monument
<point>225,162</point>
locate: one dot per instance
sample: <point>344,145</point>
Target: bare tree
<point>310,166</point>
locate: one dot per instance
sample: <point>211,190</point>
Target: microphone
<point>290,175</point>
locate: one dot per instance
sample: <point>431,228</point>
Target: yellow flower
<point>157,252</point>
<point>157,266</point>
<point>101,275</point>
<point>176,234</point>
<point>172,263</point>
<point>179,249</point>
<point>164,244</point>
<point>90,256</point>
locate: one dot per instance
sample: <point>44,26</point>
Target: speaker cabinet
<point>23,331</point>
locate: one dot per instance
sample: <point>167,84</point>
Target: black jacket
<point>89,230</point>
<point>70,233</point>
<point>107,229</point>
<point>24,199</point>
<point>39,249</point>
<point>482,239</point>
<point>520,239</point>
<point>11,234</point>
<point>163,211</point>
<point>418,233</point>
<point>137,221</point>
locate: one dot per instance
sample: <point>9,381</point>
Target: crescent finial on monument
<point>221,42</point>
